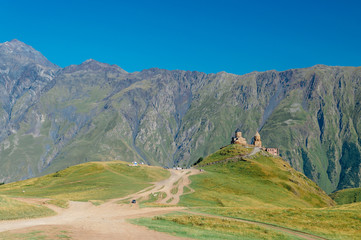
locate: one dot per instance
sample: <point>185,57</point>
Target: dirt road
<point>172,187</point>
<point>83,220</point>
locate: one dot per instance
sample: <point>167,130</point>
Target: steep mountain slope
<point>52,118</point>
<point>24,73</point>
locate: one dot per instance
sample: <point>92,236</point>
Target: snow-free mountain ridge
<point>52,117</point>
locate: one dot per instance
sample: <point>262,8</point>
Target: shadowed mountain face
<point>51,118</point>
<point>24,75</point>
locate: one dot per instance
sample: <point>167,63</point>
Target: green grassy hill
<point>12,209</point>
<point>88,181</point>
<point>252,180</point>
<point>346,196</point>
<point>259,187</point>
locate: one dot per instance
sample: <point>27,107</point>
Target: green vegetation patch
<point>170,200</point>
<point>229,151</point>
<point>174,190</point>
<point>346,196</point>
<point>88,181</point>
<point>152,198</point>
<point>12,209</point>
<point>186,190</point>
<point>333,223</point>
<point>257,180</point>
<point>48,234</point>
<point>200,227</point>
<point>59,202</point>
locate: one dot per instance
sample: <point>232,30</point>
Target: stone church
<point>238,139</point>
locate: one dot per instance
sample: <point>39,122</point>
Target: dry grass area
<point>46,233</point>
<point>332,223</point>
<point>88,181</point>
<point>13,209</point>
<point>201,227</point>
<point>59,202</point>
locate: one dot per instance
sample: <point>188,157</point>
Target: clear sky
<point>208,36</point>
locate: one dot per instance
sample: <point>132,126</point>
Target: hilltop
<point>88,181</point>
<point>240,176</point>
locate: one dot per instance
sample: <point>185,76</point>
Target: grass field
<point>48,234</point>
<point>226,152</point>
<point>346,196</point>
<point>12,209</point>
<point>258,180</point>
<point>260,187</point>
<point>332,223</point>
<point>88,181</point>
<point>264,189</point>
<point>200,227</point>
<point>59,203</point>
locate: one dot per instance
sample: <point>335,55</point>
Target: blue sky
<point>208,36</point>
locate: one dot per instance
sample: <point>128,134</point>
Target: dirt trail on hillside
<point>254,151</point>
<point>172,187</point>
<point>83,220</point>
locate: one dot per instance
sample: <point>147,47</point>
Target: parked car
<point>134,201</point>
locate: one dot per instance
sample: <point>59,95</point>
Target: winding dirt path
<point>177,180</point>
<point>83,220</point>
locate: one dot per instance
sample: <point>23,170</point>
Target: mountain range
<point>52,117</point>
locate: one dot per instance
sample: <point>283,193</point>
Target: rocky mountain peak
<point>16,51</point>
<point>93,65</point>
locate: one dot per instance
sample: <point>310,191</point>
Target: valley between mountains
<point>52,118</point>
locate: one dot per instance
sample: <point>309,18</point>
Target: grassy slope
<point>200,227</point>
<point>262,188</point>
<point>260,179</point>
<point>49,234</point>
<point>347,196</point>
<point>13,209</point>
<point>89,181</point>
<point>338,222</point>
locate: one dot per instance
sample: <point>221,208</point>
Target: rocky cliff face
<point>51,118</point>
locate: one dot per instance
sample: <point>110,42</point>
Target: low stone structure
<point>273,151</point>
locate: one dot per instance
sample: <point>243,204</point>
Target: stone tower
<point>257,140</point>
<point>238,139</point>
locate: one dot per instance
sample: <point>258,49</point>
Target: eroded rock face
<point>51,118</point>
<point>24,75</point>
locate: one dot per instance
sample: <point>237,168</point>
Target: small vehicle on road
<point>134,201</point>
